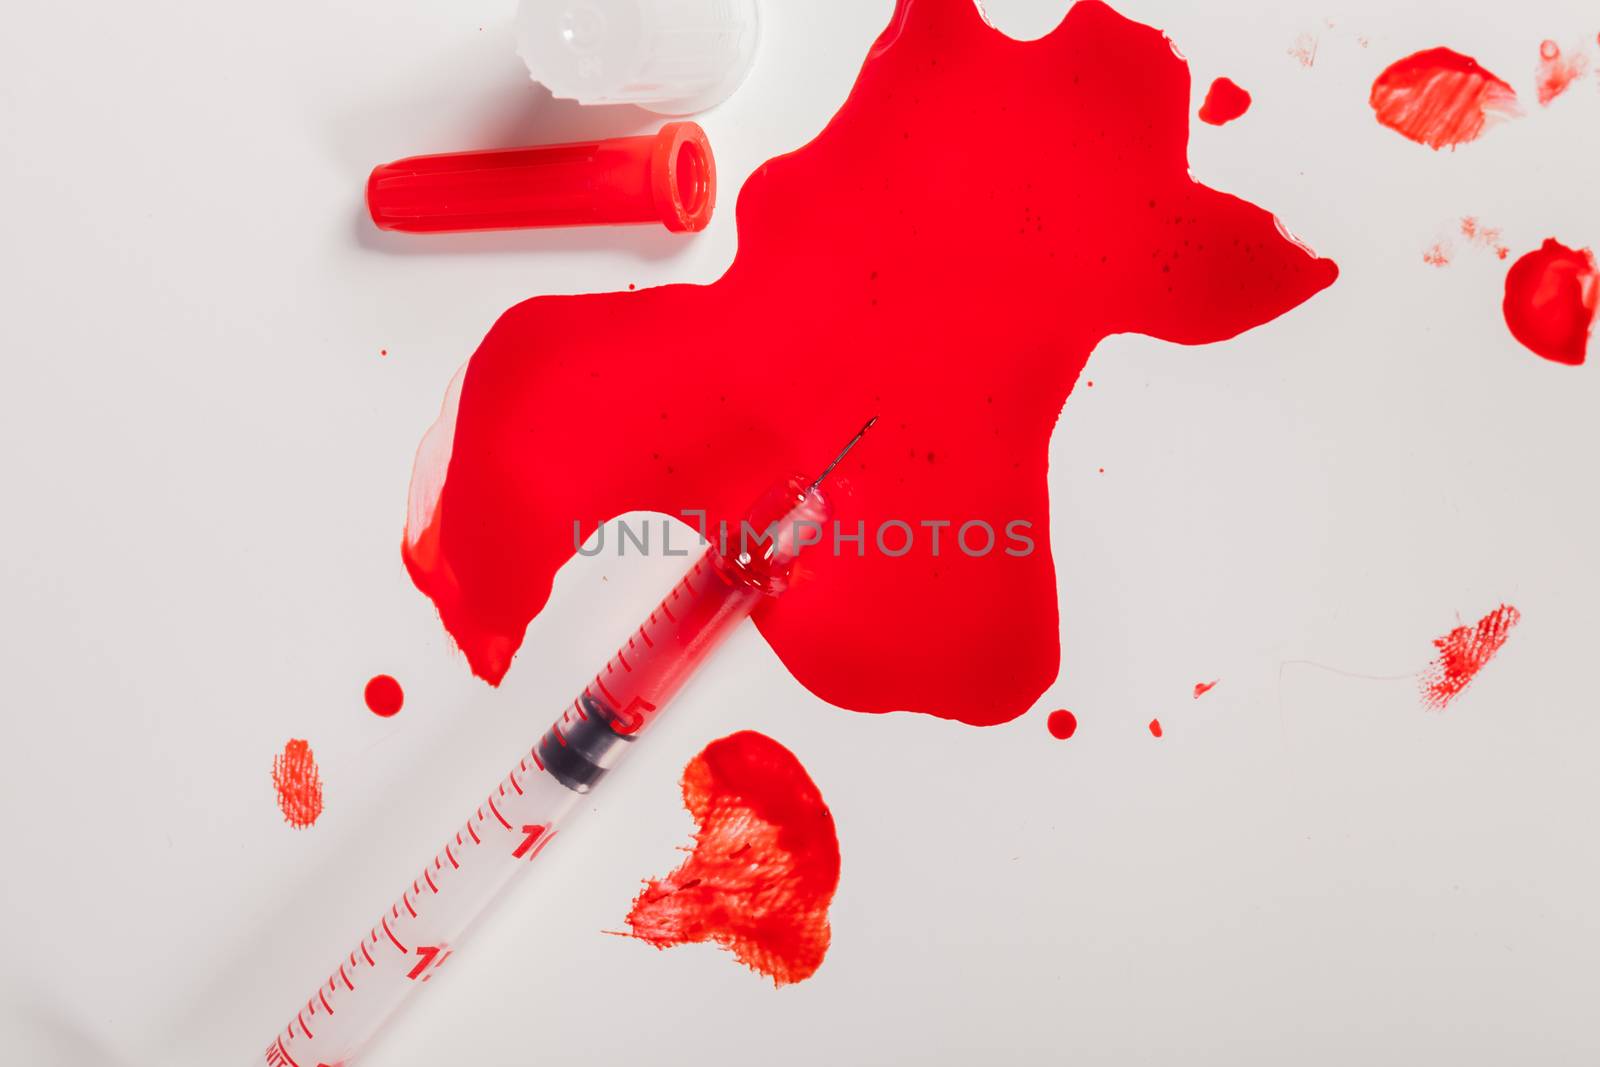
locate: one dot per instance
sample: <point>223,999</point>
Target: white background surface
<point>206,467</point>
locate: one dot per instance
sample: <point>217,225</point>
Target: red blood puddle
<point>1155,727</point>
<point>945,254</point>
<point>1202,688</point>
<point>298,785</point>
<point>384,696</point>
<point>1224,102</point>
<point>1440,98</point>
<point>1550,301</point>
<point>764,867</point>
<point>1062,724</point>
<point>1557,72</point>
<point>1463,652</point>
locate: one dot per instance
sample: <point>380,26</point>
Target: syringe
<point>415,937</point>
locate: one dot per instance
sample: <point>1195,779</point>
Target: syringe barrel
<point>739,570</point>
<point>523,812</point>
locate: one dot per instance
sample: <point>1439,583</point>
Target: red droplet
<point>1202,688</point>
<point>298,785</point>
<point>1463,652</point>
<point>982,264</point>
<point>1062,724</point>
<point>1155,727</point>
<point>764,867</point>
<point>384,695</point>
<point>1440,98</point>
<point>1225,101</point>
<point>1557,72</point>
<point>1550,301</point>
<point>383,351</point>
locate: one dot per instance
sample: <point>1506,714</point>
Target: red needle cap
<point>667,177</point>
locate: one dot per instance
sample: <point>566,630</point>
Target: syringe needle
<point>844,452</point>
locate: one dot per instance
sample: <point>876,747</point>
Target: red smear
<point>384,696</point>
<point>1202,688</point>
<point>1550,301</point>
<point>956,294</point>
<point>764,866</point>
<point>1484,236</point>
<point>1440,98</point>
<point>1438,255</point>
<point>1463,652</point>
<point>1062,724</point>
<point>299,787</point>
<point>1155,727</point>
<point>1557,72</point>
<point>1225,102</point>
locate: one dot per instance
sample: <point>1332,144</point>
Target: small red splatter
<point>1440,98</point>
<point>1088,385</point>
<point>1155,727</point>
<point>383,351</point>
<point>298,785</point>
<point>1484,236</point>
<point>1557,72</point>
<point>764,867</point>
<point>1550,301</point>
<point>1202,688</point>
<point>1438,255</point>
<point>1304,49</point>
<point>1225,101</point>
<point>1463,652</point>
<point>384,696</point>
<point>1062,724</point>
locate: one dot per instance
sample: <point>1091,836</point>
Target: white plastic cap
<point>675,57</point>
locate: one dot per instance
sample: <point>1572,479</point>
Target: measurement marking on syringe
<point>324,998</point>
<point>668,612</point>
<point>649,643</point>
<point>303,1026</point>
<point>427,876</point>
<point>607,692</point>
<point>476,840</point>
<point>407,902</point>
<point>370,961</point>
<point>534,833</point>
<point>497,814</point>
<point>348,984</point>
<point>623,660</point>
<point>513,780</point>
<point>393,938</point>
<point>451,855</point>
